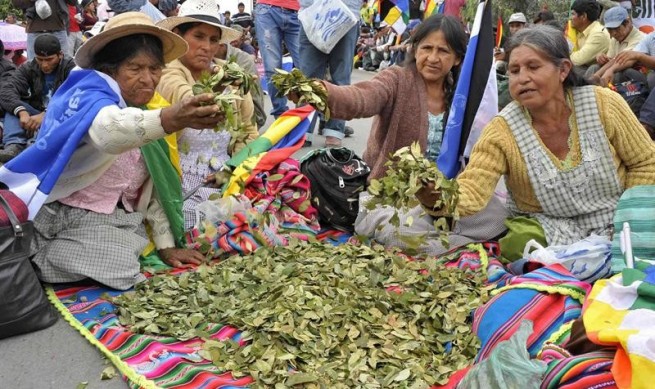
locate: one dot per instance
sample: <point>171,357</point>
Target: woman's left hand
<point>180,257</point>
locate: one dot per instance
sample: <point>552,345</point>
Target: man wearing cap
<point>315,63</point>
<point>516,22</point>
<point>623,36</point>
<point>25,95</point>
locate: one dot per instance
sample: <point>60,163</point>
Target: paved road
<point>59,358</point>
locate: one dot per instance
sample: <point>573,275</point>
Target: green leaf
<point>300,378</point>
<point>108,373</point>
<point>402,376</point>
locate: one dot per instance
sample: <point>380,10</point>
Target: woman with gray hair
<point>567,150</point>
<point>100,166</point>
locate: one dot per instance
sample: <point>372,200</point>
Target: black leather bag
<point>23,304</point>
<point>337,176</point>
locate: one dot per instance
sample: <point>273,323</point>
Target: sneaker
<point>11,151</point>
<point>348,131</point>
<point>332,141</point>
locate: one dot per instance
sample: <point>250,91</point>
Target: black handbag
<point>337,176</point>
<point>23,304</point>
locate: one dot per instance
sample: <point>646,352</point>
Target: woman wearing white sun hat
<point>202,153</point>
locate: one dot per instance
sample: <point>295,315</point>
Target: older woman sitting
<point>91,225</point>
<point>567,150</point>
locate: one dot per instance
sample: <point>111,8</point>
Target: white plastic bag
<point>43,9</point>
<point>220,210</point>
<point>587,260</point>
<point>325,22</point>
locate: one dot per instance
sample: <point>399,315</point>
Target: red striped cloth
<point>16,204</point>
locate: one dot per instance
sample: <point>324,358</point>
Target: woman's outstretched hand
<point>193,111</point>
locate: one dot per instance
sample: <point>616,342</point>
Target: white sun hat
<point>200,11</point>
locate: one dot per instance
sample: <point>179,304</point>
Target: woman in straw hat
<point>101,142</point>
<point>203,153</point>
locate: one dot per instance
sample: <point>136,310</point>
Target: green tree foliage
<point>7,8</point>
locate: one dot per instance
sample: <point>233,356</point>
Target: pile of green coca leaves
<point>309,90</point>
<point>321,316</point>
<point>407,172</point>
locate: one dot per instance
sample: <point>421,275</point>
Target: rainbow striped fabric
<point>285,136</point>
<point>621,312</point>
<point>145,361</point>
<point>549,297</point>
<point>565,371</point>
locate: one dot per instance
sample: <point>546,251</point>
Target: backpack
<point>337,176</point>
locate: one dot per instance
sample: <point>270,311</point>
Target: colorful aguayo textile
<point>144,361</point>
<point>550,297</point>
<point>281,196</point>
<point>621,312</point>
<point>163,362</point>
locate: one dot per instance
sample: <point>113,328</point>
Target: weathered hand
<point>198,112</point>
<point>180,257</point>
<point>427,195</point>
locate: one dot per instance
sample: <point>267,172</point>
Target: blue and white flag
<point>34,172</point>
<point>476,95</point>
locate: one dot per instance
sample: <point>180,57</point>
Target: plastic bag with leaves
<point>508,367</point>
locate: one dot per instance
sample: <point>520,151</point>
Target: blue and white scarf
<point>33,173</point>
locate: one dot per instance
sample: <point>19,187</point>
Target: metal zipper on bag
<point>341,183</point>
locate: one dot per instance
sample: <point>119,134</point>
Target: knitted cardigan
<point>397,99</point>
<point>497,154</point>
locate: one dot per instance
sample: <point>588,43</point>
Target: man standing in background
<point>277,23</point>
<point>56,24</point>
<point>338,62</point>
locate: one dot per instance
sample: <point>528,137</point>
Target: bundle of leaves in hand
<point>320,316</point>
<point>209,83</point>
<point>407,172</point>
<point>309,90</point>
<point>235,75</point>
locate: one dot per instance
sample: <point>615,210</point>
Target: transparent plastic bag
<point>325,22</point>
<point>43,9</point>
<point>508,367</point>
<point>220,210</point>
<point>588,259</point>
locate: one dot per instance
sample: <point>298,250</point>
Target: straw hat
<point>200,11</point>
<point>130,23</point>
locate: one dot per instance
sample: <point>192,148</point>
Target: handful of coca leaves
<point>407,172</point>
<point>310,90</point>
<point>231,73</point>
<point>320,316</point>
